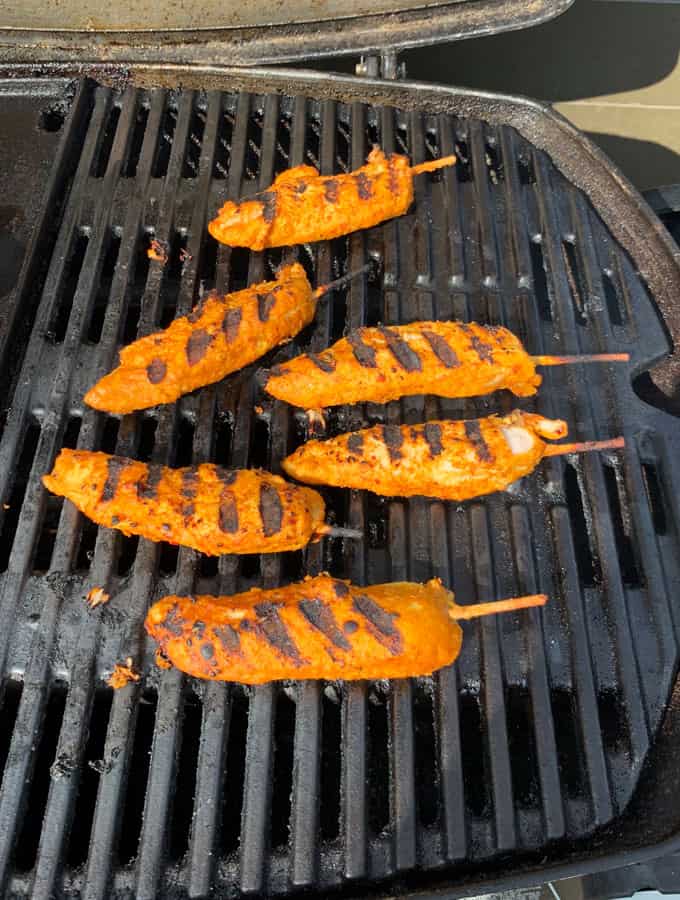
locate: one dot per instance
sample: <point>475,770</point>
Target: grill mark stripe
<point>433,436</point>
<point>363,354</point>
<point>271,510</point>
<point>483,350</point>
<point>228,512</point>
<point>355,444</point>
<point>364,186</point>
<point>115,465</point>
<point>272,628</point>
<point>228,637</point>
<point>226,476</point>
<point>197,345</point>
<point>156,370</point>
<point>265,304</point>
<point>325,363</point>
<point>189,488</point>
<point>173,622</point>
<point>379,622</point>
<point>331,190</point>
<point>147,487</point>
<point>321,617</point>
<point>392,173</point>
<point>393,438</point>
<point>406,356</point>
<point>474,434</point>
<point>441,349</point>
<point>231,323</point>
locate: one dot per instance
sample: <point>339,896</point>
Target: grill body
<point>549,744</point>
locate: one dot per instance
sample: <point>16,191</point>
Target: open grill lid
<point>551,745</point>
<point>247,34</point>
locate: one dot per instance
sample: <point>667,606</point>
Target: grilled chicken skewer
<point>448,460</point>
<point>220,336</point>
<point>209,508</point>
<point>449,359</point>
<point>319,628</point>
<point>302,205</point>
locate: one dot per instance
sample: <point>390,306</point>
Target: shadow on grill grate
<point>536,738</point>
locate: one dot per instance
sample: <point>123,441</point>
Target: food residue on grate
<point>162,660</point>
<point>123,674</point>
<point>158,251</point>
<point>96,597</point>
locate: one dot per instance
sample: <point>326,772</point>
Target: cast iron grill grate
<point>535,739</point>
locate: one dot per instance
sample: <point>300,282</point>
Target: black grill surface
<point>537,750</point>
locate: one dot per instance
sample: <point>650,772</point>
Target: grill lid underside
<point>526,753</point>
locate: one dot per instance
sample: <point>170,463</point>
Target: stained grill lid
<point>249,34</point>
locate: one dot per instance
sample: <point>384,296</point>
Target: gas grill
<point>550,747</point>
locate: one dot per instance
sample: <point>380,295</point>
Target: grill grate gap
<point>655,497</point>
<point>254,141</point>
<point>427,776</point>
<point>239,260</point>
<point>86,545</point>
<point>10,698</point>
<point>101,300</point>
<point>259,444</point>
<point>207,267</point>
<point>100,161</point>
<point>53,507</point>
<point>569,744</point>
<point>16,496</point>
<point>167,558</point>
<point>223,435</point>
<point>613,721</point>
<point>522,746</point>
<point>282,150</point>
<point>577,288</point>
<point>343,141</point>
<point>494,163</point>
<point>137,287</point>
<point>26,848</point>
<point>586,562</point>
<point>127,553</point>
<point>378,766</point>
<point>525,169</point>
<point>401,135</point>
<point>166,136</point>
<point>377,513</point>
<point>476,776</point>
<point>172,278</point>
<point>463,167</point>
<point>249,566</point>
<point>282,786</point>
<point>138,774</point>
<point>208,567</point>
<point>183,444</point>
<point>222,159</point>
<point>109,435</point>
<point>331,765</point>
<point>135,149</point>
<point>540,281</point>
<point>338,299</point>
<point>234,774</point>
<point>52,119</point>
<point>616,307</point>
<point>192,154</point>
<point>622,525</point>
<point>147,438</point>
<point>62,309</point>
<point>79,840</point>
<point>185,780</point>
<point>313,141</point>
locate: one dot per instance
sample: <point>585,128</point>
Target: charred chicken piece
<point>447,359</point>
<point>448,460</point>
<point>302,205</point>
<point>209,508</point>
<point>319,628</point>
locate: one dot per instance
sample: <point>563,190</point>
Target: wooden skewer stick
<point>585,358</point>
<point>338,531</point>
<point>497,606</point>
<point>339,282</point>
<point>433,164</point>
<point>584,446</point>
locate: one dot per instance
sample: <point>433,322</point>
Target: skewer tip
<point>339,282</point>
<point>338,531</point>
<point>585,446</point>
<point>476,610</point>
<point>581,358</point>
<point>433,164</point>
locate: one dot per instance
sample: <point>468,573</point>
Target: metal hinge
<point>383,65</point>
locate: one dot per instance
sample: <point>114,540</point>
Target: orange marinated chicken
<point>209,508</point>
<point>220,336</point>
<point>302,205</point>
<point>449,359</point>
<point>319,628</point>
<point>449,460</point>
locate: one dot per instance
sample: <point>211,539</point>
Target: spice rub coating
<point>221,335</point>
<point>447,359</point>
<point>301,205</point>
<point>448,460</point>
<point>209,508</point>
<point>321,627</point>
